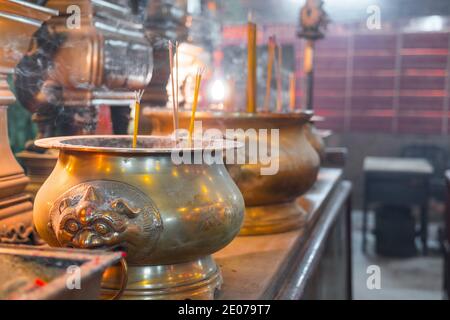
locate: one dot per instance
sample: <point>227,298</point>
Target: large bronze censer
<point>168,217</point>
<point>271,201</point>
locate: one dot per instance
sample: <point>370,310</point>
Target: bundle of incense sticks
<point>279,79</point>
<point>251,65</point>
<point>292,91</point>
<point>198,79</point>
<point>176,77</point>
<point>174,93</point>
<point>137,106</point>
<point>271,55</point>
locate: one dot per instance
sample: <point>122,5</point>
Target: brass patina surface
<point>271,200</point>
<point>168,218</point>
<point>315,139</point>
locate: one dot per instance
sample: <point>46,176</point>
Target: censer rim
<point>297,115</point>
<point>182,144</point>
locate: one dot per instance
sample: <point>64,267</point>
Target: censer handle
<point>124,279</point>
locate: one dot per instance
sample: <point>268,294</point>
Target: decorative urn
<point>168,217</point>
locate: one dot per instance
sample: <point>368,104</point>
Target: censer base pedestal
<point>276,218</point>
<point>198,280</point>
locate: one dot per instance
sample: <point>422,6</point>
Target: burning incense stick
<point>271,54</point>
<point>292,91</point>
<point>176,79</point>
<point>175,111</point>
<point>198,79</point>
<point>251,65</point>
<point>279,79</point>
<point>137,106</point>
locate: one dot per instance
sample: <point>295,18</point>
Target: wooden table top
<point>251,264</point>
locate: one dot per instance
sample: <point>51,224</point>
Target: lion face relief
<point>108,215</point>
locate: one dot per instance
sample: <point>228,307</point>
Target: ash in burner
<point>142,143</point>
<point>124,142</point>
<point>18,275</point>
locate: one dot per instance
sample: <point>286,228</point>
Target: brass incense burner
<point>168,218</point>
<point>272,203</point>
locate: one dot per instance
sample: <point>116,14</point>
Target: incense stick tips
<point>201,71</point>
<point>138,95</point>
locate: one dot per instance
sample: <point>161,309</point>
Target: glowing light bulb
<point>218,91</point>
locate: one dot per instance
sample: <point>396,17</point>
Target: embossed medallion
<point>109,215</point>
